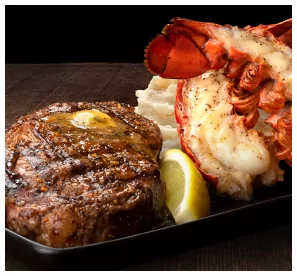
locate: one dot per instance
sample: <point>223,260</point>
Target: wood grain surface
<point>33,86</point>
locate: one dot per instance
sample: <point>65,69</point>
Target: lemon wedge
<point>187,195</point>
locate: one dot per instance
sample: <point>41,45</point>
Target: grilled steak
<point>81,173</point>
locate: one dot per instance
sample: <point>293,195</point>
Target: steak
<point>82,173</point>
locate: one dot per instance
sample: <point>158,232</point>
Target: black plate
<point>270,207</point>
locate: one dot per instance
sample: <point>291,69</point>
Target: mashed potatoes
<point>157,104</point>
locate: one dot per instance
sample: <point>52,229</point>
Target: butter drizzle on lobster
<point>226,76</point>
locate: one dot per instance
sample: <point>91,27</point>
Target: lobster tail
<point>184,51</point>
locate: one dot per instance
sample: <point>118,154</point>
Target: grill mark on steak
<point>68,187</point>
<point>50,151</point>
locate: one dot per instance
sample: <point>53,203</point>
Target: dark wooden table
<point>30,87</point>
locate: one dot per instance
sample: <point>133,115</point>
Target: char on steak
<point>82,173</point>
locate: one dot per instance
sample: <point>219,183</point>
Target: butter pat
<point>83,119</point>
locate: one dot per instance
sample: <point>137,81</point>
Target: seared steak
<point>81,173</point>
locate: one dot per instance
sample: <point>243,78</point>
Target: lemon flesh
<point>187,195</point>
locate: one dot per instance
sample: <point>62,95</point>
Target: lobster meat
<point>233,101</point>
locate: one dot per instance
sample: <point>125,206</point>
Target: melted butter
<point>83,119</point>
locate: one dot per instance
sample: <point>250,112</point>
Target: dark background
<point>58,34</point>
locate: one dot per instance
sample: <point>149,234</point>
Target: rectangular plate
<point>270,207</point>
